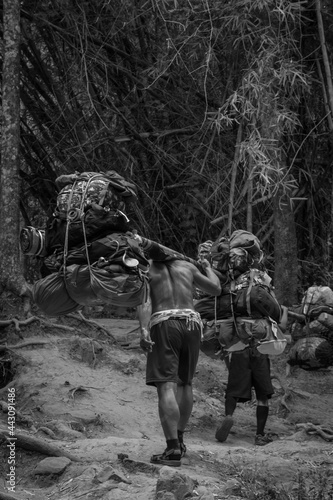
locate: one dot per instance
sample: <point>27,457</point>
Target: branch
<point>158,135</point>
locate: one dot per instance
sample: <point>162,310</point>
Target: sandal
<point>168,457</point>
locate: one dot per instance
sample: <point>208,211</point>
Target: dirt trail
<point>92,397</point>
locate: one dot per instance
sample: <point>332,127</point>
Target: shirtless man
<point>171,335</point>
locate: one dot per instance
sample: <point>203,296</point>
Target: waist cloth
<point>191,317</point>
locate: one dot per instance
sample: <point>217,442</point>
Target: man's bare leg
<point>168,409</point>
<point>185,402</point>
<point>169,416</point>
<point>184,398</point>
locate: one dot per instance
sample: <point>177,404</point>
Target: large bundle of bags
<point>88,250</point>
<point>317,309</point>
<point>247,310</point>
<point>313,348</point>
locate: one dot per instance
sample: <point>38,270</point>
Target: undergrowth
<point>254,484</point>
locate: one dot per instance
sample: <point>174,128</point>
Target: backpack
<point>246,312</point>
<point>254,296</point>
<point>315,298</point>
<point>89,205</point>
<point>235,255</point>
<point>249,295</point>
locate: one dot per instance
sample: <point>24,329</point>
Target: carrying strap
<point>68,221</point>
<point>248,292</point>
<point>232,290</point>
<point>81,215</point>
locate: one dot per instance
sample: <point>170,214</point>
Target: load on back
<point>87,246</point>
<point>247,310</point>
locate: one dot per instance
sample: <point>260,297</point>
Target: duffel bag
<point>90,285</point>
<point>51,296</point>
<point>260,301</point>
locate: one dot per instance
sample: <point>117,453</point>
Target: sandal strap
<point>172,456</point>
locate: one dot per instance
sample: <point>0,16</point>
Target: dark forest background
<point>220,111</point>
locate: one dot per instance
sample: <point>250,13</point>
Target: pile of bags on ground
<point>313,348</point>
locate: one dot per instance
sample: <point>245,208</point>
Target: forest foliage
<point>211,107</point>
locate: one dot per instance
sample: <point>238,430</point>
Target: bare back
<point>171,285</point>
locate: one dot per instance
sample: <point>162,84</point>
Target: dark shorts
<point>175,352</point>
<point>247,370</point>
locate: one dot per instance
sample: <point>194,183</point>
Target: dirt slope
<point>89,398</point>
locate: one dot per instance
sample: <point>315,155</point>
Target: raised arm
<point>209,283</point>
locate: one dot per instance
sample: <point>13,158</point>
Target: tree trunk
<point>285,251</point>
<point>11,276</point>
<point>285,242</point>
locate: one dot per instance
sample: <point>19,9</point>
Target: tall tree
<point>11,275</point>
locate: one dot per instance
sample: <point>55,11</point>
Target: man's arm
<point>144,313</point>
<point>209,283</point>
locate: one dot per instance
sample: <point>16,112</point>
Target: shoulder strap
<point>248,293</point>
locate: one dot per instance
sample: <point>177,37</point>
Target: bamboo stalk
<point>233,177</point>
<point>327,66</point>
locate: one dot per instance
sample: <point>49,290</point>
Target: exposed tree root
<point>310,428</point>
<point>287,392</point>
<point>79,317</point>
<point>83,389</point>
<point>6,347</point>
<point>47,431</point>
<point>19,323</point>
<point>27,442</point>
